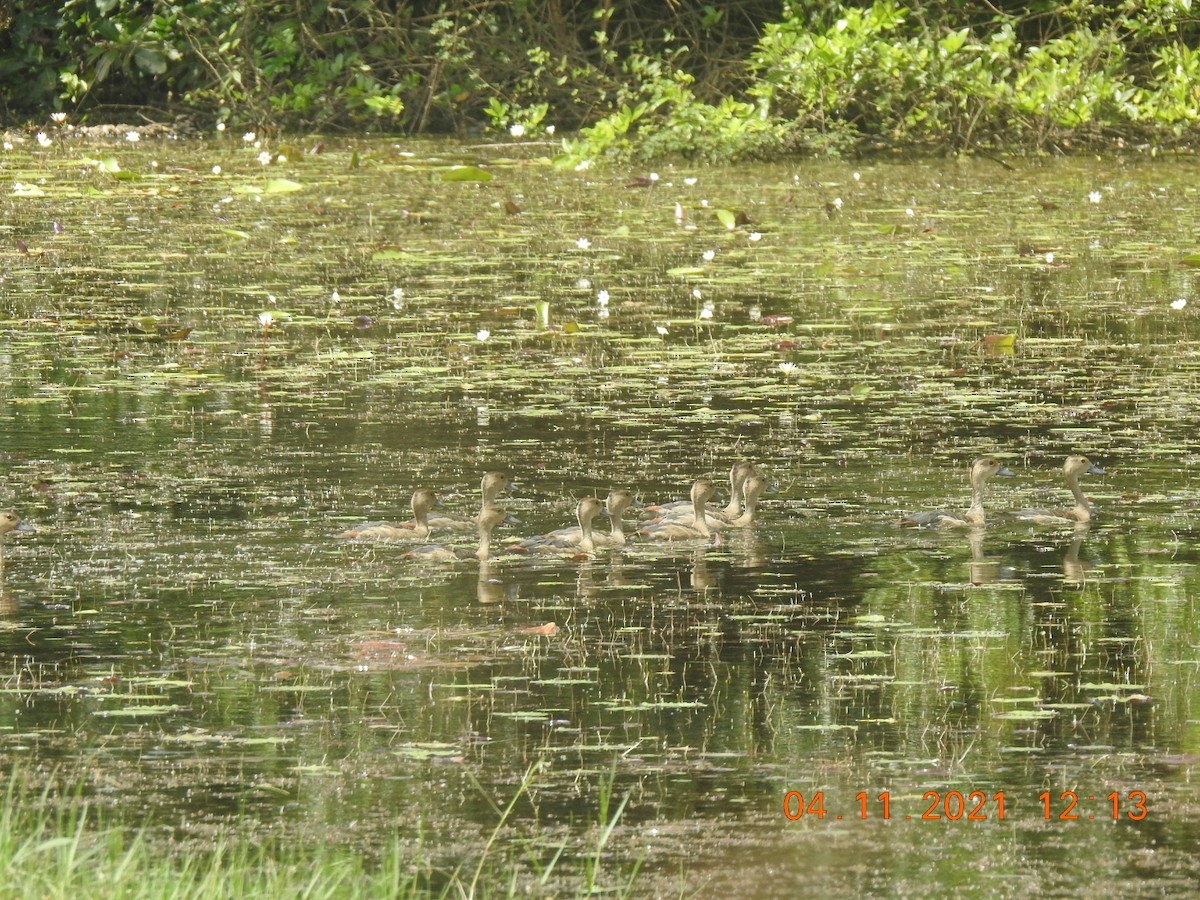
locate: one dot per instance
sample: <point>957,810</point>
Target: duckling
<point>1081,513</point>
<point>423,500</point>
<point>490,487</point>
<point>488,519</point>
<point>576,539</point>
<point>741,470</point>
<point>982,469</point>
<point>674,530</point>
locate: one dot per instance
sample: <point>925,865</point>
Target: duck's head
<point>703,490</point>
<point>1074,466</point>
<point>424,499</point>
<point>588,509</point>
<point>618,501</point>
<point>10,521</point>
<point>988,466</point>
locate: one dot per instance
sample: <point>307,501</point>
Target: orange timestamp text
<point>973,806</point>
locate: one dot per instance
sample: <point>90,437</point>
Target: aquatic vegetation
<point>190,414</point>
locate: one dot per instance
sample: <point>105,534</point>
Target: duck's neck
<point>974,514</point>
<point>618,529</point>
<point>1083,509</point>
<point>734,509</point>
<point>700,518</point>
<point>421,517</point>
<point>747,517</point>
<point>485,542</point>
<point>586,543</point>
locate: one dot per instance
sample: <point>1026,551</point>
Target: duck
<point>10,521</point>
<point>577,539</point>
<point>1073,467</point>
<point>739,472</point>
<point>487,521</point>
<point>675,530</point>
<point>756,485</point>
<point>423,500</point>
<point>490,487</point>
<point>982,469</point>
<point>617,502</point>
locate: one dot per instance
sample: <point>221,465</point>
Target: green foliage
<point>648,81</point>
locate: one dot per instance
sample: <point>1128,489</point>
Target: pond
<point>215,361</point>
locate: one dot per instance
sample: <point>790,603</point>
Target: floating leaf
<point>727,217</point>
<point>465,173</point>
<point>282,186</point>
<point>860,391</point>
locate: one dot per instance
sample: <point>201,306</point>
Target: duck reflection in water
<point>1076,570</point>
<point>490,588</point>
<point>985,569</point>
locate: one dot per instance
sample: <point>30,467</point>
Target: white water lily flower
<point>220,126</point>
<point>266,319</point>
<point>42,140</point>
<point>482,335</point>
<point>856,176</point>
<point>517,130</point>
<point>695,293</point>
<point>602,298</point>
<point>264,158</point>
<point>550,130</point>
<point>661,330</point>
<point>335,297</point>
<point>837,202</point>
<point>584,165</point>
<point>690,180</point>
<point>787,368</point>
<point>909,212</point>
<point>1179,304</point>
<point>249,137</point>
<point>132,136</point>
<point>216,170</point>
<point>709,255</point>
<point>8,145</point>
<point>58,117</point>
<point>1050,256</point>
<point>754,236</point>
<point>1094,197</point>
<point>583,244</point>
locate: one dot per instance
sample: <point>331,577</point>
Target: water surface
<point>186,632</point>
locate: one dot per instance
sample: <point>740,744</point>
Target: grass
<point>56,846</point>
